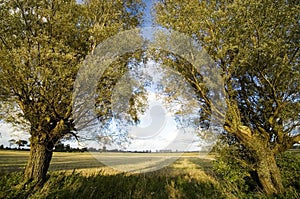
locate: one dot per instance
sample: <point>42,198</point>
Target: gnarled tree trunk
<point>41,150</point>
<point>38,162</point>
<point>268,173</point>
<point>266,167</point>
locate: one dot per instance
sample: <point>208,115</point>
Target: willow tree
<point>42,44</point>
<point>255,44</point>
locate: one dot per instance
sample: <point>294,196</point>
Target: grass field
<point>81,175</point>
<point>92,162</point>
<point>73,174</point>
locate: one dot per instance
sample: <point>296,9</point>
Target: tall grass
<point>157,184</point>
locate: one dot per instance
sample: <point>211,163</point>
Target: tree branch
<point>296,139</point>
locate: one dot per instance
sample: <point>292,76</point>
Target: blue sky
<point>148,19</point>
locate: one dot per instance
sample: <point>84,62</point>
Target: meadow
<point>81,175</point>
<point>91,162</point>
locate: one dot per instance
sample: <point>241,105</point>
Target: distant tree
<point>18,142</point>
<point>68,148</point>
<point>59,146</point>
<point>11,142</point>
<point>21,143</point>
<point>92,149</point>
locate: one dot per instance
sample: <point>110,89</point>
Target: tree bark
<point>266,167</point>
<point>269,174</point>
<point>38,162</point>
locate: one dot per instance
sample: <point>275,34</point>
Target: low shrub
<point>289,165</point>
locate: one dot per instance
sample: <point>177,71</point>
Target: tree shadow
<point>158,184</point>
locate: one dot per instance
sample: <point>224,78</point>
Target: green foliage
<point>235,171</point>
<point>255,44</point>
<point>289,164</point>
<point>258,59</point>
<point>42,46</point>
<point>9,180</point>
<point>234,165</point>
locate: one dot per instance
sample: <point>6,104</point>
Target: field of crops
<point>92,162</point>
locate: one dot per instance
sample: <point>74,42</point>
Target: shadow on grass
<point>203,164</point>
<point>58,166</point>
<point>190,178</point>
<point>150,185</point>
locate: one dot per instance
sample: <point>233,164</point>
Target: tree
<point>21,143</point>
<point>42,45</point>
<point>255,44</point>
<point>59,146</point>
<point>11,142</point>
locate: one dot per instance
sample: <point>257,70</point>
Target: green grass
<point>183,179</point>
<point>158,184</point>
<point>80,175</point>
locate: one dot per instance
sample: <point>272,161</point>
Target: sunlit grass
<point>80,175</point>
<point>86,162</point>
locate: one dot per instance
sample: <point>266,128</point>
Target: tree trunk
<point>266,167</point>
<point>269,174</point>
<point>38,162</point>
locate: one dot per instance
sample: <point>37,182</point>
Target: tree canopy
<point>42,45</point>
<point>255,44</point>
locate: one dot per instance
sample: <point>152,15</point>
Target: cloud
<point>9,132</point>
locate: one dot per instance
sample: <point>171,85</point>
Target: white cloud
<point>9,132</point>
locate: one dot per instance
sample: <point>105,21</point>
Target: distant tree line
<point>61,147</point>
<point>2,147</point>
<point>19,143</point>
